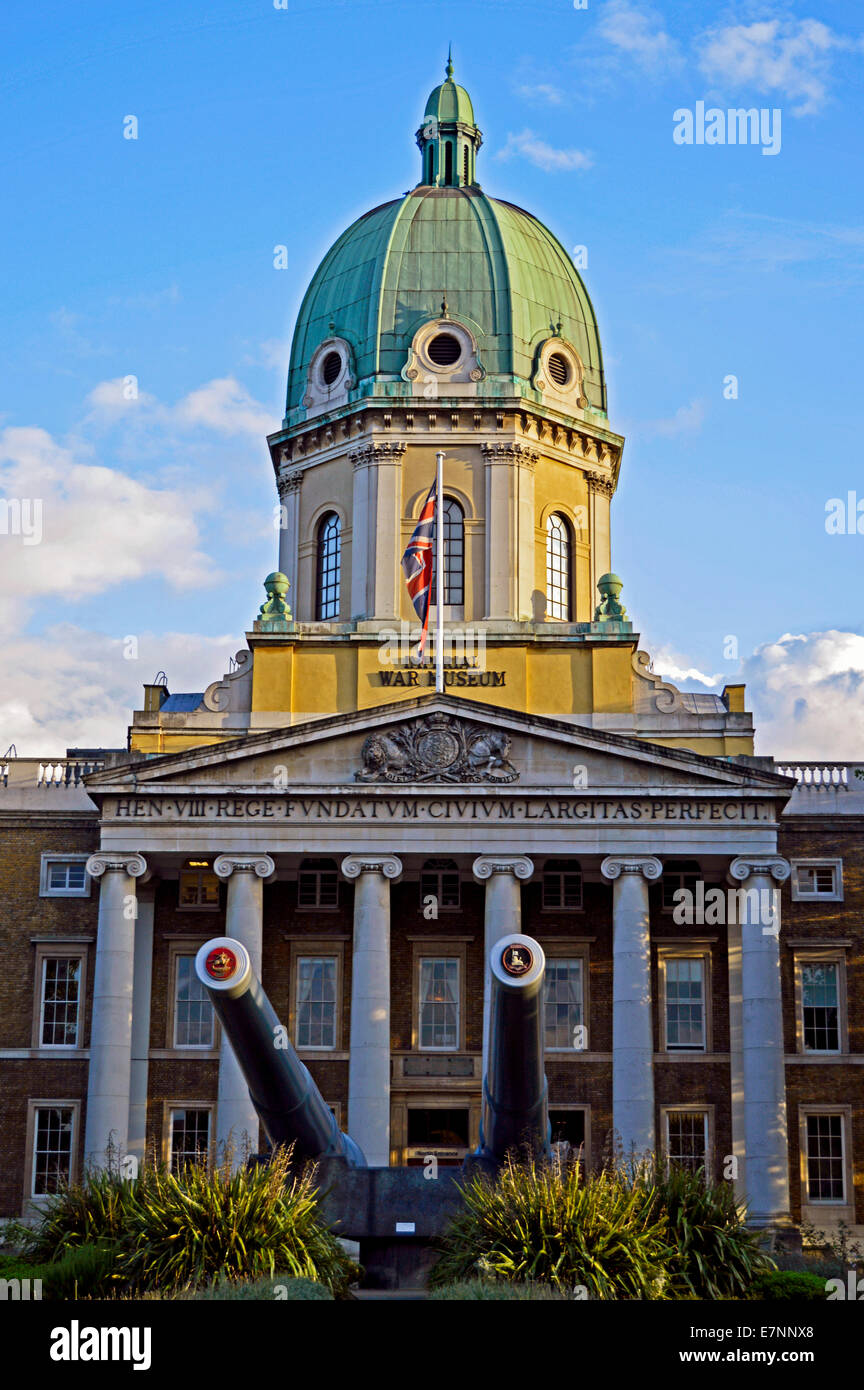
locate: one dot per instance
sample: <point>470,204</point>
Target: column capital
<point>135,865</point>
<point>353,865</point>
<point>488,864</point>
<point>614,865</point>
<point>224,865</point>
<point>741,868</point>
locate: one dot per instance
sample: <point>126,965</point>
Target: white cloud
<point>787,59</point>
<point>120,396</point>
<point>668,664</point>
<point>638,32</point>
<point>74,689</point>
<point>226,406</point>
<point>686,420</point>
<point>807,694</point>
<point>541,91</point>
<point>97,526</point>
<point>527,145</point>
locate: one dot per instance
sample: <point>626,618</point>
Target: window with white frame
<point>687,1138</point>
<point>439,879</point>
<point>825,1157</point>
<point>316,1001</point>
<point>439,1003</point>
<point>53,1146</point>
<point>820,1005</point>
<point>318,884</point>
<point>189,1137</point>
<point>563,1010</point>
<point>684,995</point>
<point>817,880</point>
<point>64,876</point>
<point>194,1022</point>
<point>60,1004</point>
<point>562,885</point>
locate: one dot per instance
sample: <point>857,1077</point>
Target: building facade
<point>369,838</point>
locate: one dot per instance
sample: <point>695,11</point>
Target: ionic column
<point>142,994</point>
<point>236,1117</point>
<point>503,875</point>
<point>632,1023</point>
<point>765,1145</point>
<point>369,1063</point>
<point>109,1083</point>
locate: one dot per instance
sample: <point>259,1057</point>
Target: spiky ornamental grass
<point>543,1223</point>
<point>203,1225</point>
<point>714,1255</point>
<point>628,1232</point>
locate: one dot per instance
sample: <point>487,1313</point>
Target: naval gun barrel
<point>289,1104</point>
<point>515,1102</point>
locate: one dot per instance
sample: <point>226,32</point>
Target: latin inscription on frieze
<point>517,809</point>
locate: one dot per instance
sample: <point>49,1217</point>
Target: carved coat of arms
<point>437,748</point>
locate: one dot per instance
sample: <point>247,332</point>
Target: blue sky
<point>153,258</point>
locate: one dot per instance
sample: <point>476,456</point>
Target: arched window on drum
<point>329,568</point>
<point>454,556</point>
<point>559,582</point>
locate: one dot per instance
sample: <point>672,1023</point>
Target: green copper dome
<point>504,276</point>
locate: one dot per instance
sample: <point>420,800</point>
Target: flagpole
<point>439,563</point>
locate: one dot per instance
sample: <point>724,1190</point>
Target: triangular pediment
<point>440,741</point>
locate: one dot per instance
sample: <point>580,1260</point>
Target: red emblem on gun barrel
<point>221,963</point>
<point>517,960</point>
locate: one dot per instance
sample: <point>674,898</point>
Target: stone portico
<point>255,808</point>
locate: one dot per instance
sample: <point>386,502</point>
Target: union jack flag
<point>417,566</point>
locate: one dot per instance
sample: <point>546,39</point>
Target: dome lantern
<point>448,138</point>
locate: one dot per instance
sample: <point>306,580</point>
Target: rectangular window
<point>817,880</point>
<point>439,878</point>
<point>199,890</point>
<point>825,1159</point>
<point>563,1005</point>
<point>439,1003</point>
<point>687,1138</point>
<point>52,1148</point>
<point>562,887</point>
<point>64,876</point>
<point>193,1012</point>
<point>316,1001</point>
<point>61,1000</point>
<point>190,1137</point>
<point>820,1003</point>
<point>685,1003</point>
<point>318,885</point>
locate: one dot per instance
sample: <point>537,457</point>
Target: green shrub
<point>713,1255</point>
<point>85,1272</point>
<point>175,1231</point>
<point>281,1288</point>
<point>93,1212</point>
<point>543,1223</point>
<point>497,1289</point>
<point>779,1284</point>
